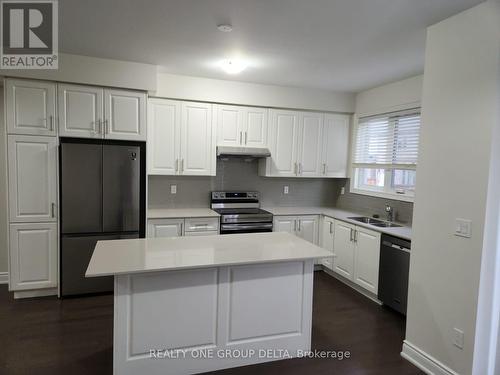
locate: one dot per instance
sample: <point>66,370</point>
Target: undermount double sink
<point>374,222</point>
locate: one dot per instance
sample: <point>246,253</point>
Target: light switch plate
<point>285,189</point>
<point>463,227</point>
<point>173,189</point>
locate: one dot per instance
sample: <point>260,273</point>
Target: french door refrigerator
<point>102,187</point>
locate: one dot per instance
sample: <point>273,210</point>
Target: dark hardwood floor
<point>74,336</point>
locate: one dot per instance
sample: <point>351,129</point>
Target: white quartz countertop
<point>401,232</point>
<point>171,213</point>
<point>117,257</point>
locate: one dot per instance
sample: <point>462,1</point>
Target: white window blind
<point>389,140</point>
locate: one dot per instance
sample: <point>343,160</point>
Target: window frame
<point>387,191</point>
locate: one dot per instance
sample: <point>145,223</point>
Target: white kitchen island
<point>187,305</point>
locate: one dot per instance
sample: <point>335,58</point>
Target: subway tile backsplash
<point>238,174</point>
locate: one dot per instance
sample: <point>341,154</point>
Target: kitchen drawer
<point>204,233</point>
<point>202,224</point>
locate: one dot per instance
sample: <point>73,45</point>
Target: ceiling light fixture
<point>233,66</point>
<point>225,28</point>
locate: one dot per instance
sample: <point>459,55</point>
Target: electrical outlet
<point>285,189</point>
<point>458,338</point>
<point>342,190</point>
<point>463,227</point>
<point>173,189</point>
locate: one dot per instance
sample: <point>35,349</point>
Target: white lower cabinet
<point>203,226</point>
<point>165,227</point>
<point>356,254</point>
<point>33,256</point>
<point>326,239</point>
<point>366,259</point>
<point>305,227</point>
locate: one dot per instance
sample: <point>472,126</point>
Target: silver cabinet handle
<point>295,168</point>
<point>241,138</point>
<point>51,119</point>
<point>351,236</point>
<point>53,210</point>
<point>300,169</point>
<point>331,227</point>
<point>295,225</point>
<point>97,128</point>
<point>176,165</point>
<point>324,168</point>
<point>246,136</point>
<point>356,236</point>
<point>182,165</point>
<point>106,126</point>
<point>181,229</point>
<point>300,223</point>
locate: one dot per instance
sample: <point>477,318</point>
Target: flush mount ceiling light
<point>233,66</point>
<point>225,28</point>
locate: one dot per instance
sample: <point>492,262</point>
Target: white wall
<point>395,96</point>
<point>460,113</point>
<point>234,92</point>
<point>95,71</point>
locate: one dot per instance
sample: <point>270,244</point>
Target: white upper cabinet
<point>335,145</point>
<point>306,144</point>
<point>256,127</point>
<point>80,111</point>
<point>164,123</point>
<point>310,144</point>
<point>33,256</point>
<point>32,165</point>
<point>197,156</point>
<point>230,125</point>
<point>124,115</point>
<point>241,126</point>
<point>30,107</point>
<point>283,143</point>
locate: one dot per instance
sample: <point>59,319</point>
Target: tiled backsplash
<point>238,174</point>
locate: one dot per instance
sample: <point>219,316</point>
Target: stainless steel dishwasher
<point>393,272</point>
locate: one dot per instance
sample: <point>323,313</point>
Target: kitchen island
<point>187,305</point>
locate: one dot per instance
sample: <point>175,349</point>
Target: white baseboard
<point>424,361</point>
<point>35,293</point>
<point>4,277</point>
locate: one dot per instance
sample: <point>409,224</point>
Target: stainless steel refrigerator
<point>102,187</point>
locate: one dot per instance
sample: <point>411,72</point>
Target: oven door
<point>246,228</point>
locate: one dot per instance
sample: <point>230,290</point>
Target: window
<point>385,155</point>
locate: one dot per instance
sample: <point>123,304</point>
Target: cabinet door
<point>164,123</point>
<point>343,245</point>
<point>31,107</point>
<point>165,227</point>
<point>335,145</point>
<point>285,224</point>
<point>307,228</point>
<point>32,164</point>
<point>327,231</point>
<point>255,127</point>
<point>125,115</point>
<point>33,256</point>
<point>367,255</point>
<point>310,145</point>
<point>197,156</point>
<point>230,125</point>
<point>284,134</point>
<point>80,111</point>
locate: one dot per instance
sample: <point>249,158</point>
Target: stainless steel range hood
<point>251,152</point>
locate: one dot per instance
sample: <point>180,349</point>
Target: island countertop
<point>117,257</point>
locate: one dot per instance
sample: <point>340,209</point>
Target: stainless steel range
<point>240,212</point>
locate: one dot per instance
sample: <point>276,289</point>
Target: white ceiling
<point>344,45</point>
